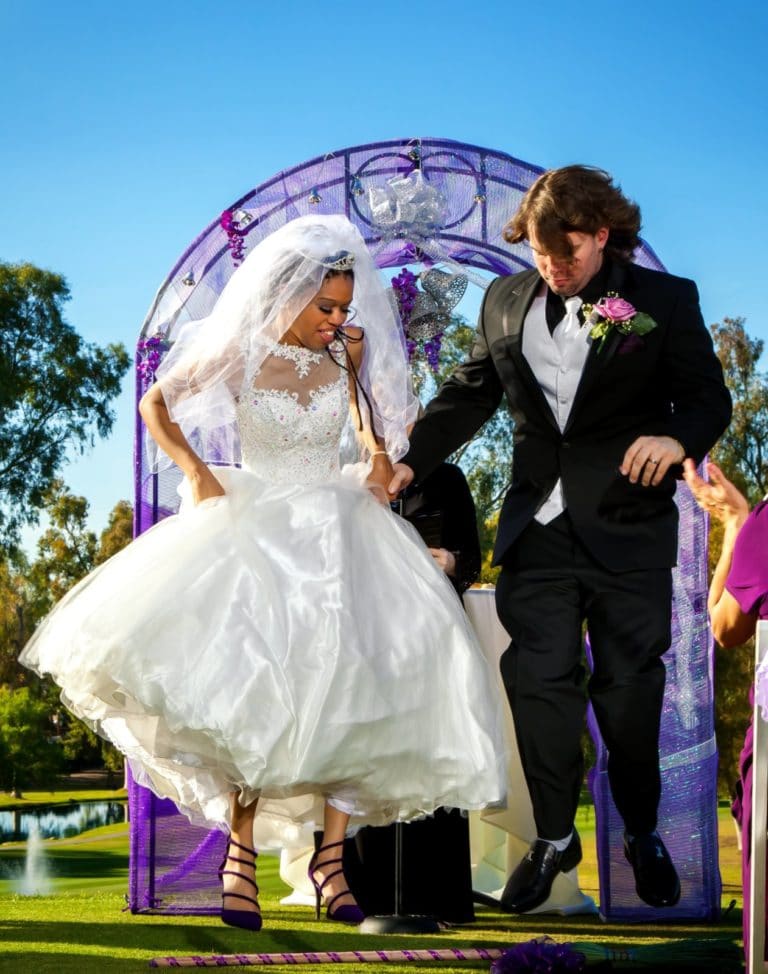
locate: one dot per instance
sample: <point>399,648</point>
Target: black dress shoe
<point>531,883</point>
<point>656,879</point>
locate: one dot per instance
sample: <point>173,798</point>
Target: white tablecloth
<point>500,839</point>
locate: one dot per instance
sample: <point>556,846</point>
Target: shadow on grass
<point>153,936</point>
<point>127,944</point>
<point>593,927</point>
<point>282,931</point>
<point>68,963</point>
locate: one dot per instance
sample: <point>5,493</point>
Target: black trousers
<point>548,588</point>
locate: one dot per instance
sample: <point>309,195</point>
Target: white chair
<point>757,964</point>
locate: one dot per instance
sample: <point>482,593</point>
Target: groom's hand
<point>649,458</point>
<point>403,476</point>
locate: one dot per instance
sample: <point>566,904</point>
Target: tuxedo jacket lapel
<point>513,321</point>
<point>599,356</point>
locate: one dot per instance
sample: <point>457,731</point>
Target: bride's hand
<point>204,486</point>
<point>378,492</point>
<point>379,478</point>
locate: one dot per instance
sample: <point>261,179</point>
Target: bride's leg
<point>238,876</point>
<point>326,870</point>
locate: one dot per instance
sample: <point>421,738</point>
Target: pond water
<point>59,821</point>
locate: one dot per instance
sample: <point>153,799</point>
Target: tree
<point>83,749</point>
<point>742,451</point>
<point>66,552</point>
<point>55,391</point>
<point>14,616</point>
<point>80,746</point>
<point>487,458</point>
<point>118,532</point>
<point>28,754</point>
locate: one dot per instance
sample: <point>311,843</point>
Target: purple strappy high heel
<point>347,912</point>
<point>246,919</point>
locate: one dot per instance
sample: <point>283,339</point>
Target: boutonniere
<point>613,312</point>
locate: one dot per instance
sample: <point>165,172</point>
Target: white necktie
<point>570,325</point>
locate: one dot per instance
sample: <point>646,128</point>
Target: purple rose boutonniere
<point>614,313</point>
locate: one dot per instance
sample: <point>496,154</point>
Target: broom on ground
<point>541,956</point>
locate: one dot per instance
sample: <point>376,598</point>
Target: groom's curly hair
<point>580,199</point>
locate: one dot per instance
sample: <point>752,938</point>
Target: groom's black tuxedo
<point>606,560</point>
<point>667,383</point>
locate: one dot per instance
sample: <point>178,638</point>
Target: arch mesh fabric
<point>173,864</point>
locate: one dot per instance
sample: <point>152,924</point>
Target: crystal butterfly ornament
<point>441,292</point>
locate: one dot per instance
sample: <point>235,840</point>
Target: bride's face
<point>315,327</point>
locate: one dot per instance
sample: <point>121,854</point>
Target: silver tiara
<point>342,261</point>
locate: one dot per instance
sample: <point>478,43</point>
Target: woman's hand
<point>204,485</point>
<point>379,478</point>
<point>719,497</point>
<point>379,493</point>
<point>446,560</point>
<point>169,437</point>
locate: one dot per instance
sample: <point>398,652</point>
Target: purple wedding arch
<point>426,201</point>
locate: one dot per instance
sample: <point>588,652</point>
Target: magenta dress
<point>747,582</point>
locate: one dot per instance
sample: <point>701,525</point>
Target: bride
<point>284,651</point>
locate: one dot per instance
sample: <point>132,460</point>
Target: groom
<point>612,381</point>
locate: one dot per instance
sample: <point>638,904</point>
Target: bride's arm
<point>381,466</point>
<point>171,440</point>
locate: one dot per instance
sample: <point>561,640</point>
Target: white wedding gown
<point>293,639</point>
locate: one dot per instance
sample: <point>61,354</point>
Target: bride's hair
<point>338,265</point>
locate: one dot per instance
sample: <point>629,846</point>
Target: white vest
<point>558,373</point>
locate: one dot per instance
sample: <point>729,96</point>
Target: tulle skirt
<point>287,642</point>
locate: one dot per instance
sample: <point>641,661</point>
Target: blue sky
<point>125,129</point>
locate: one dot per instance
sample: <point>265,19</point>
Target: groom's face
<point>567,275</point>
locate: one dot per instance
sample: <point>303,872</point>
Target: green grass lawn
<point>36,798</point>
<point>82,926</point>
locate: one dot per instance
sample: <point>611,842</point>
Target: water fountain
<point>35,881</point>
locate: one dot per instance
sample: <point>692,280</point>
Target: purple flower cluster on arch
<point>150,355</point>
<point>406,291</point>
<point>235,238</point>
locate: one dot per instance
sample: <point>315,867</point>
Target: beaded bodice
<point>292,418</point>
